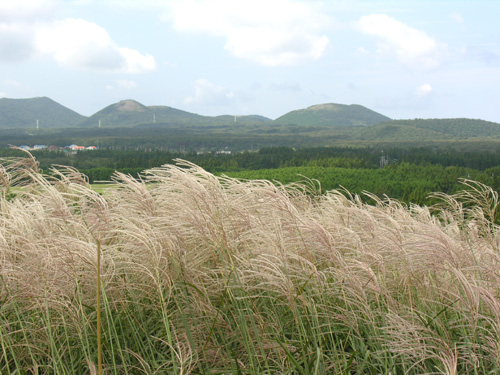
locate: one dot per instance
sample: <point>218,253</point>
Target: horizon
<point>251,114</point>
<point>405,60</point>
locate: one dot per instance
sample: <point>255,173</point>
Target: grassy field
<point>198,274</point>
<point>102,188</point>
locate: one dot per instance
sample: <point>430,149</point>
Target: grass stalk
<point>98,309</point>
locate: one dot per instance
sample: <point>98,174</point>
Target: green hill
<point>164,114</point>
<point>430,130</point>
<point>132,113</point>
<point>123,113</point>
<point>390,132</point>
<point>457,127</point>
<point>24,113</point>
<point>331,114</point>
<point>129,123</point>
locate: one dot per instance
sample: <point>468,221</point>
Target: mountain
<point>24,113</point>
<point>331,114</point>
<point>431,130</point>
<point>132,113</point>
<point>323,124</point>
<point>124,113</point>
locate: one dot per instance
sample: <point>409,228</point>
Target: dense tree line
<point>270,157</point>
<point>407,174</point>
<point>409,183</point>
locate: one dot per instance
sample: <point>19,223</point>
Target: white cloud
<point>26,10</point>
<point>412,47</point>
<point>28,29</point>
<point>135,62</point>
<point>362,50</point>
<point>16,26</point>
<point>206,93</point>
<point>424,90</point>
<point>16,42</point>
<point>457,17</point>
<point>126,84</point>
<point>76,43</point>
<point>130,4</point>
<point>271,33</point>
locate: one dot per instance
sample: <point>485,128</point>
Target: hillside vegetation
<point>431,129</point>
<point>202,274</point>
<point>242,137</point>
<point>409,175</point>
<point>331,114</point>
<point>130,112</point>
<point>23,113</point>
<point>129,124</point>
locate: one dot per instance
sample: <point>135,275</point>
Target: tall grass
<point>211,275</point>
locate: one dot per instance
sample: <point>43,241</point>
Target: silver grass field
<point>183,272</point>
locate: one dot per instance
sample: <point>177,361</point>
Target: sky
<point>404,59</point>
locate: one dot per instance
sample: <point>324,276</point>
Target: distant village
<point>56,148</point>
<point>75,148</point>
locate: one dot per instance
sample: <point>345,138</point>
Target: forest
<point>408,175</point>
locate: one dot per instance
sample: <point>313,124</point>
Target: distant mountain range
<point>132,113</point>
<point>24,113</point>
<point>129,123</point>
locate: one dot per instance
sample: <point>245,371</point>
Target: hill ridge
<point>333,114</point>
<point>351,122</point>
<point>26,113</point>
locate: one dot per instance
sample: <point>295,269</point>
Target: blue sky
<point>404,59</point>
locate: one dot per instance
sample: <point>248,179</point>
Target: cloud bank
<point>28,30</point>
<point>22,11</point>
<point>270,33</point>
<point>424,90</point>
<point>206,93</point>
<point>412,47</point>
